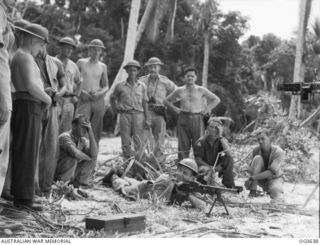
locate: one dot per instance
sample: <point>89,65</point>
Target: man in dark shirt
<point>213,148</point>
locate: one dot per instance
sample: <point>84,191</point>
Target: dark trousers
<point>225,164</point>
<point>190,129</point>
<point>26,133</point>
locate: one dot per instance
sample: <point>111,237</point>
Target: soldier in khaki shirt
<point>158,88</point>
<point>130,98</point>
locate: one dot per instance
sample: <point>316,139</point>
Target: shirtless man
<point>94,86</point>
<point>28,107</point>
<point>191,111</point>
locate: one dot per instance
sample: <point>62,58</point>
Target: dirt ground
<point>249,218</point>
<point>258,218</point>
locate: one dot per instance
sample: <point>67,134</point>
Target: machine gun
<point>305,90</point>
<point>208,189</point>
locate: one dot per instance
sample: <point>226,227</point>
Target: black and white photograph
<point>159,119</point>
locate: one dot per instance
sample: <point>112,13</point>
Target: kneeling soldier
<point>213,148</point>
<point>265,168</point>
<point>77,155</point>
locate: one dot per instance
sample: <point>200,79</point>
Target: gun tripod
<point>219,199</point>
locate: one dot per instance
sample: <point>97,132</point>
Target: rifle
<point>305,90</point>
<point>208,189</point>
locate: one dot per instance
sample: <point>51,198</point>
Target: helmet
<point>21,24</point>
<point>38,31</point>
<point>68,41</point>
<point>189,163</point>
<point>96,43</point>
<point>154,61</point>
<point>133,63</point>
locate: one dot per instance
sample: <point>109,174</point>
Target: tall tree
<point>130,45</point>
<point>305,7</point>
<point>206,21</point>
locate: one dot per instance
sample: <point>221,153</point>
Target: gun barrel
<point>290,87</point>
<point>214,188</point>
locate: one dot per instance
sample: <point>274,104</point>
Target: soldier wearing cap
<point>6,41</point>
<point>73,83</point>
<point>30,101</point>
<point>166,187</point>
<point>158,88</point>
<point>94,87</point>
<point>191,111</point>
<point>212,149</point>
<point>54,81</point>
<point>130,98</point>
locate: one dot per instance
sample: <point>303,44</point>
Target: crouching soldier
<point>265,168</point>
<point>212,149</point>
<point>77,155</point>
<point>167,187</point>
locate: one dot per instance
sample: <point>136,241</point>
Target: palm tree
<point>305,7</point>
<point>205,18</point>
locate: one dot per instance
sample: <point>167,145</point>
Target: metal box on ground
<point>117,223</point>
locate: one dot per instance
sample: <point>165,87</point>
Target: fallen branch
<point>310,196</point>
<point>310,117</point>
<point>248,126</point>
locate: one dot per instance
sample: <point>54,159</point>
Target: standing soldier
<point>130,98</point>
<point>158,88</point>
<point>94,87</point>
<point>30,100</point>
<point>53,78</point>
<point>73,83</point>
<point>6,40</point>
<point>191,111</point>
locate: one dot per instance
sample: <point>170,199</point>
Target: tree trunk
<point>130,46</point>
<point>170,30</point>
<point>305,6</point>
<point>205,60</point>
<point>145,19</point>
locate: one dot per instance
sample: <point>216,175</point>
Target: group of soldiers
<point>51,118</point>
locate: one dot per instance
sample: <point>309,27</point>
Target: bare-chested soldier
<point>94,87</point>
<point>30,101</point>
<point>191,111</point>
